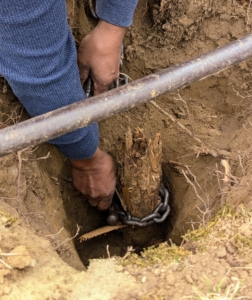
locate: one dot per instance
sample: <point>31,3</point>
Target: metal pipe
<point>97,108</point>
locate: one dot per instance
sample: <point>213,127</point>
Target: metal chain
<point>159,214</point>
<point>92,9</point>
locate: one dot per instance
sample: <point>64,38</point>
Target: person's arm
<point>99,56</point>
<point>39,60</point>
<point>95,178</point>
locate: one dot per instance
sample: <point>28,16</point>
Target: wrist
<point>112,32</point>
<point>88,164</point>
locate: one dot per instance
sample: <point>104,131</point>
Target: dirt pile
<point>35,271</point>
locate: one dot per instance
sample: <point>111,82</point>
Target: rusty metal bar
<point>85,112</point>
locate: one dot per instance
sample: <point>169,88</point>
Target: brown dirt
<point>40,210</point>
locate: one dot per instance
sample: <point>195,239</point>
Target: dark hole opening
<point>115,243</point>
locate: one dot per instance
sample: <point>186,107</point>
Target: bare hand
<point>99,55</point>
<point>95,178</point>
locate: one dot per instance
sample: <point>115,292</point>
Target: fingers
<point>99,88</point>
<point>102,79</point>
<point>95,178</point>
<point>100,85</point>
<point>102,204</point>
<point>103,67</point>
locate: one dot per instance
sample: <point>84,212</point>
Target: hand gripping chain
<point>159,215</point>
<point>123,78</point>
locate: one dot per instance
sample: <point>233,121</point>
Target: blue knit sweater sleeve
<point>117,12</point>
<point>39,60</point>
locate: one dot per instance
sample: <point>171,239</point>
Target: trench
<point>190,206</point>
<point>114,243</point>
<point>184,214</point>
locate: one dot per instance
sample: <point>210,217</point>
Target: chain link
<point>159,215</point>
<point>91,5</point>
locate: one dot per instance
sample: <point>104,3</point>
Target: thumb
<point>105,203</point>
<point>99,88</point>
<point>84,72</point>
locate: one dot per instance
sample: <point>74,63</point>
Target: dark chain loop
<point>159,214</point>
<point>91,5</point>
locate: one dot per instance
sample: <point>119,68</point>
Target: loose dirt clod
<point>19,258</point>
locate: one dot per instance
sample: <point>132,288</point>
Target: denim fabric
<point>38,58</point>
<point>117,12</point>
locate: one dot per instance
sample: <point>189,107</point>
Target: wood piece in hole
<point>227,168</point>
<point>140,173</point>
<point>100,231</point>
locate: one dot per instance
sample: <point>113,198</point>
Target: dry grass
<point>57,244</point>
<point>229,293</point>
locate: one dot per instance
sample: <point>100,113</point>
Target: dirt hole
<point>115,243</point>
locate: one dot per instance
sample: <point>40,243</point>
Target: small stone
<point>188,278</point>
<point>4,272</point>
<point>3,220</point>
<point>170,279</point>
<point>143,280</point>
<point>118,268</point>
<point>230,248</point>
<point>195,277</point>
<point>22,259</point>
<point>214,273</point>
<point>214,132</point>
<point>177,284</point>
<point>6,290</point>
<point>177,296</point>
<point>222,252</point>
<point>203,263</point>
<point>249,265</point>
<point>244,274</point>
<point>193,259</point>
<point>225,282</point>
<point>245,231</point>
<point>224,153</point>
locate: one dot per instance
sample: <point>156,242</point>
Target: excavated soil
<point>42,215</point>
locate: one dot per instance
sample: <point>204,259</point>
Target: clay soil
<point>203,250</point>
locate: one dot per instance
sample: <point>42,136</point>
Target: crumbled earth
<point>204,250</point>
<point>215,262</point>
